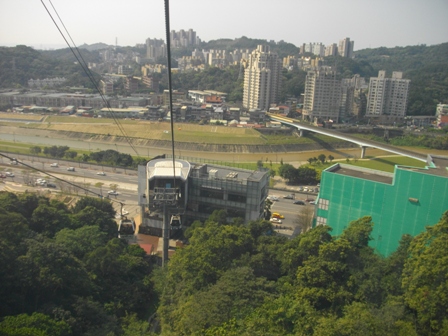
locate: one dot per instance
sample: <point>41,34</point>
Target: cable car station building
<point>403,202</point>
<point>190,192</point>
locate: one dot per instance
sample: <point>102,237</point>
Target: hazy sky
<point>370,23</point>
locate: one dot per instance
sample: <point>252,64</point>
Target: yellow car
<point>277,215</point>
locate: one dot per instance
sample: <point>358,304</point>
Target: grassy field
<point>183,132</point>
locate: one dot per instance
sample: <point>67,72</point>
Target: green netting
<point>413,201</point>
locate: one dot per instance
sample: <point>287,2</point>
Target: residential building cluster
<point>344,48</point>
<point>330,99</point>
<point>327,97</point>
<point>46,82</point>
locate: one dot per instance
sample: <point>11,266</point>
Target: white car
<point>71,169</point>
<point>276,220</point>
<point>54,165</point>
<point>273,198</point>
<point>9,174</point>
<point>113,192</point>
<point>101,173</point>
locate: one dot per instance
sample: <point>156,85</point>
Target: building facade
<point>262,79</point>
<point>403,202</point>
<point>194,191</point>
<point>388,97</point>
<point>345,48</point>
<point>322,95</point>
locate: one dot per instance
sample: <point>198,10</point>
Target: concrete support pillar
<point>363,152</point>
<point>300,132</point>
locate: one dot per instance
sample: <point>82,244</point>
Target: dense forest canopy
<point>63,272</point>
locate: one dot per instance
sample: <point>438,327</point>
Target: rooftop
<point>363,173</point>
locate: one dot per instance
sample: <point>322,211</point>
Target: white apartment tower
<point>345,48</point>
<point>322,95</point>
<point>262,79</point>
<point>387,98</point>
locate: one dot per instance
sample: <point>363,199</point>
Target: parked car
<point>71,168</point>
<point>299,202</point>
<point>277,215</point>
<point>54,165</point>
<point>113,192</point>
<point>276,220</point>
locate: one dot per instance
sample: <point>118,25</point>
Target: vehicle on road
<point>273,198</point>
<point>71,169</point>
<point>51,185</point>
<point>13,162</point>
<point>9,174</point>
<point>275,220</point>
<point>309,200</point>
<point>299,202</point>
<point>277,215</point>
<point>290,196</point>
<point>312,202</point>
<point>101,173</point>
<point>113,192</point>
<point>2,176</point>
<point>54,165</point>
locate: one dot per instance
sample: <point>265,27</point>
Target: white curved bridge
<point>363,143</point>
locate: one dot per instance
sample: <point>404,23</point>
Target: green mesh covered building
<point>403,202</point>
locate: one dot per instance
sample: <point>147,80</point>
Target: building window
<point>323,204</point>
<point>321,221</point>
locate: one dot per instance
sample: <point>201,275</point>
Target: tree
<point>70,154</point>
<point>322,158</point>
<point>424,281</point>
<point>35,150</point>
<point>331,158</point>
<point>287,171</point>
<point>304,218</point>
<point>37,324</point>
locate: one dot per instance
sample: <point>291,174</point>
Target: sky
<point>370,23</point>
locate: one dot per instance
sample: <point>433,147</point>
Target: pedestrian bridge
<point>363,143</point>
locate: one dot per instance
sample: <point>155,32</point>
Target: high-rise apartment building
<point>387,99</point>
<point>184,38</point>
<point>155,48</point>
<point>331,50</point>
<point>345,48</point>
<point>262,79</point>
<point>322,95</point>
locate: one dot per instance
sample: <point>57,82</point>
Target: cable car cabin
<point>126,227</point>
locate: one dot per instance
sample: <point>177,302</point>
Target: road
<point>85,176</point>
<point>287,208</point>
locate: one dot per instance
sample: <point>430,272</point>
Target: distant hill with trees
<point>425,66</point>
<point>21,63</point>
